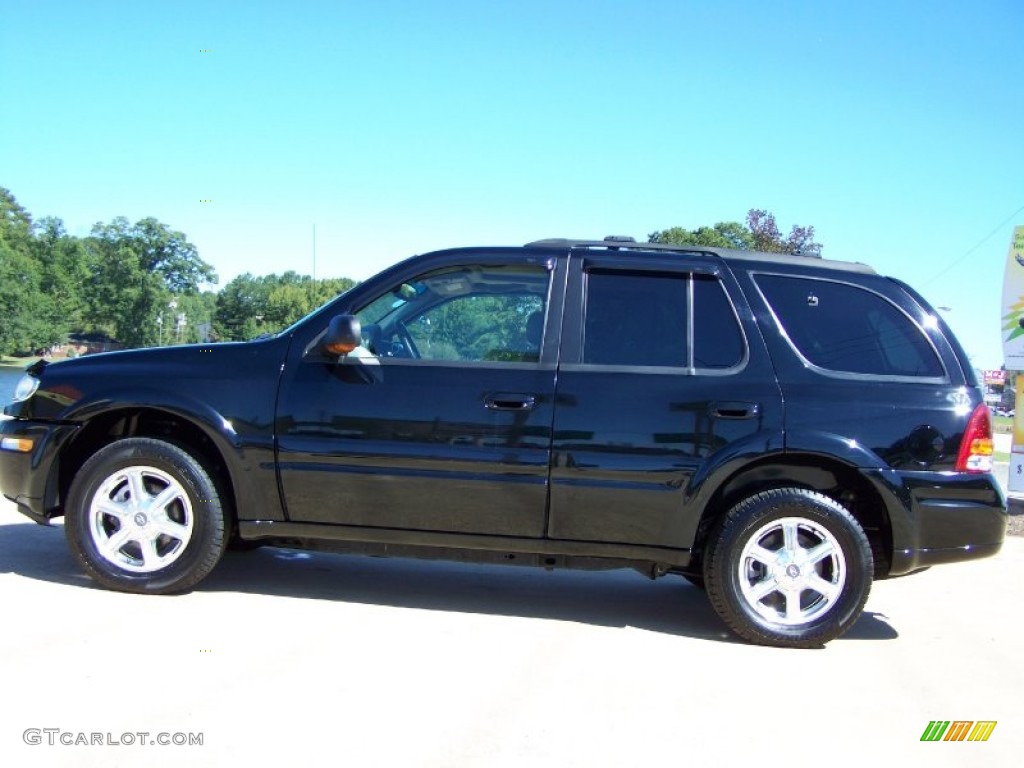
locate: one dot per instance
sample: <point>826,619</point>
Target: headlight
<point>27,386</point>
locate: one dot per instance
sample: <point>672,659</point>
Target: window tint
<point>635,319</point>
<point>493,314</point>
<point>717,339</point>
<point>643,319</point>
<point>502,328</point>
<point>843,327</point>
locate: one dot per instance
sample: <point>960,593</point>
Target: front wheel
<point>143,515</point>
<point>790,568</point>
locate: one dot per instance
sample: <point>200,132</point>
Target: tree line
<point>760,232</point>
<point>142,283</point>
<point>131,282</point>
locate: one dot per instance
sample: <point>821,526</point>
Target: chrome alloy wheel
<point>141,519</point>
<point>791,571</point>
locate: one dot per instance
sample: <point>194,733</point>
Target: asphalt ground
<point>285,658</point>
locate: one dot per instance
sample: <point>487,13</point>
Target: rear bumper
<point>26,477</point>
<point>942,517</point>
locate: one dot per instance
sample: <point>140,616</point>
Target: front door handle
<point>721,409</point>
<point>509,401</point>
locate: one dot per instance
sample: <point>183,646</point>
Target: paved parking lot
<point>282,658</point>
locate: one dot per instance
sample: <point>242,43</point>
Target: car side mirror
<point>344,333</point>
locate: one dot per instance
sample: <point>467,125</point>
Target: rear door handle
<point>509,401</point>
<point>723,409</point>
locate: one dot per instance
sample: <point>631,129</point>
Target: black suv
<point>779,430</point>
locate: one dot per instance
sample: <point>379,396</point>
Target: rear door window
<point>717,339</point>
<point>635,319</point>
<point>662,320</point>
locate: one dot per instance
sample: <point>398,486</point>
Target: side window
<point>635,319</point>
<point>482,327</point>
<point>842,327</point>
<point>644,319</point>
<point>717,338</point>
<point>473,313</point>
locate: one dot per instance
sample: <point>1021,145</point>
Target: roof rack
<point>616,242</point>
<point>619,242</point>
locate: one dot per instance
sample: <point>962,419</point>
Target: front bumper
<point>942,517</point>
<point>28,477</point>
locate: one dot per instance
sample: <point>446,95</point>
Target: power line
<point>984,240</point>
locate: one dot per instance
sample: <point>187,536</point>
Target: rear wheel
<point>790,568</point>
<point>144,516</point>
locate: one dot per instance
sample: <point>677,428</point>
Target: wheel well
<point>142,422</point>
<point>838,481</point>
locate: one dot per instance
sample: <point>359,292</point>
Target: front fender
<point>246,447</point>
<point>216,426</point>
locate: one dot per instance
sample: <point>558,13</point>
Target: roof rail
<point>616,242</point>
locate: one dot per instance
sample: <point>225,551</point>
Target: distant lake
<point>8,380</point>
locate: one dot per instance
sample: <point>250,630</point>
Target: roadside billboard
<point>1013,348</point>
<point>1013,303</point>
<point>995,378</point>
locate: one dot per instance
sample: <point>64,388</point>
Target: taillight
<point>976,448</point>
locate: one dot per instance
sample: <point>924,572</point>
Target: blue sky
<point>895,128</point>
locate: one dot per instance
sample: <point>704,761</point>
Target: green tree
<point>249,306</point>
<point>134,282</point>
<point>241,307</point>
<point>136,271</point>
<point>64,270</point>
<point>159,251</point>
<point>760,233</point>
<point>196,309</point>
<point>768,238</point>
<point>323,291</point>
<point>124,300</point>
<point>25,310</point>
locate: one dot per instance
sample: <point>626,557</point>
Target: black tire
<point>142,515</point>
<point>762,583</point>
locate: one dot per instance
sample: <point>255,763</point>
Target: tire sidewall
<point>207,539</point>
<point>750,516</point>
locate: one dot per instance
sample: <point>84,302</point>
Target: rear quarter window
<point>717,339</point>
<point>849,329</point>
